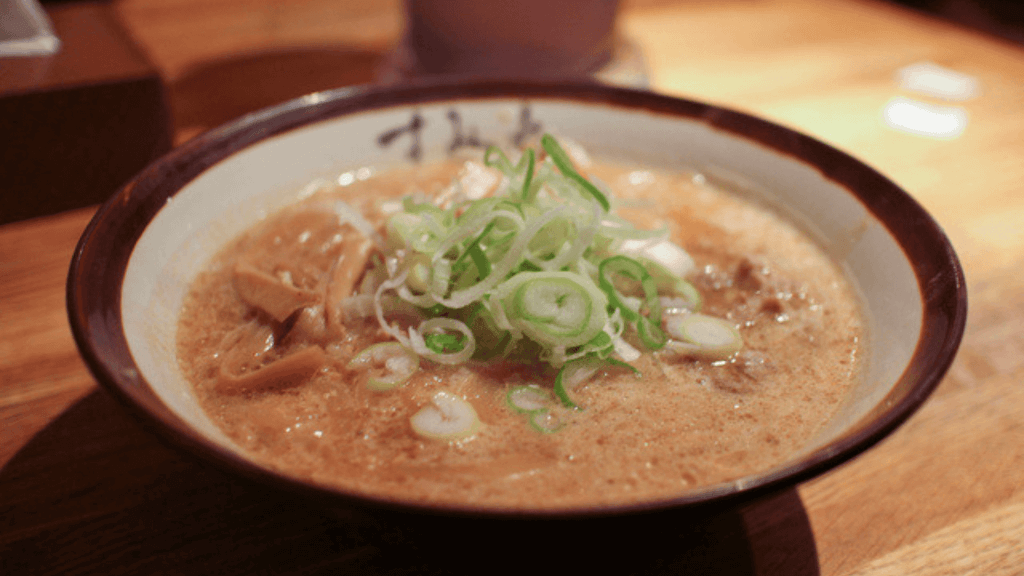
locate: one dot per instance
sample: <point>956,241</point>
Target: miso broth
<point>683,423</point>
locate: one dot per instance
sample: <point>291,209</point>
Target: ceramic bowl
<point>137,258</point>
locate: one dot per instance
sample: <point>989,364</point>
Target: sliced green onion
<point>550,239</point>
<point>565,166</point>
<point>477,209</point>
<point>448,417</point>
<point>420,231</point>
<point>538,271</point>
<point>495,157</point>
<point>581,230</point>
<point>661,258</point>
<point>625,365</point>
<point>471,228</point>
<point>440,276</point>
<point>499,270</point>
<point>545,421</point>
<point>573,374</point>
<point>617,228</point>
<point>389,365</point>
<point>579,371</point>
<point>687,298</point>
<point>483,265</point>
<point>650,334</point>
<point>438,327</point>
<point>535,403</point>
<point>624,349</point>
<point>554,308</point>
<point>647,325</point>
<point>528,179</point>
<point>624,266</point>
<point>556,305</point>
<point>492,340</point>
<point>444,343</point>
<point>527,399</point>
<point>420,274</point>
<point>498,350</point>
<point>703,336</point>
<point>476,243</point>
<point>600,342</point>
<point>391,328</point>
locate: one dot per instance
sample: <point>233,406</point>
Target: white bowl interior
<point>226,199</point>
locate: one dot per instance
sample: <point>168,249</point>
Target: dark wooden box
<point>76,125</point>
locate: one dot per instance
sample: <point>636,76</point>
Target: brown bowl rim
<point>101,257</point>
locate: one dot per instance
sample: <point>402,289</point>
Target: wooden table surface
<point>85,489</point>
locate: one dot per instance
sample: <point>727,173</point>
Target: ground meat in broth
<point>685,423</point>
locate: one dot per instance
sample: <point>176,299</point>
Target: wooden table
<point>84,489</point>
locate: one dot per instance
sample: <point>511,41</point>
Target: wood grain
<point>981,544</point>
<point>40,371</point>
<point>85,489</point>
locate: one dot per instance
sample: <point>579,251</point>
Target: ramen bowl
<point>136,260</point>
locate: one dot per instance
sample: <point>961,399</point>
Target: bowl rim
<point>97,269</point>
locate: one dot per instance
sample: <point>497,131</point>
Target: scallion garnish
<point>444,343</point>
<point>545,421</point>
<point>573,374</point>
<point>703,336</point>
<point>447,417</point>
<point>565,166</point>
<point>539,270</point>
<point>528,399</point>
<point>387,365</point>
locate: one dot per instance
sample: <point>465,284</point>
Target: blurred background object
<point>25,30</point>
<point>513,38</point>
<point>552,39</point>
<point>111,101</point>
<point>78,122</point>
<point>1004,18</point>
<point>221,59</point>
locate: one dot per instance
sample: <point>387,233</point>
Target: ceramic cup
<point>510,38</point>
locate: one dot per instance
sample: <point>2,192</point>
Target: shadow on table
<point>121,502</point>
<point>218,91</point>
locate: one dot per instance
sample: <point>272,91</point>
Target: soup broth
<point>682,423</point>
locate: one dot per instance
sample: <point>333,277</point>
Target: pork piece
<point>289,269</point>
<point>253,361</point>
<point>324,321</point>
<point>284,265</point>
<point>345,273</point>
<point>254,357</point>
<point>285,372</point>
<point>275,296</point>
